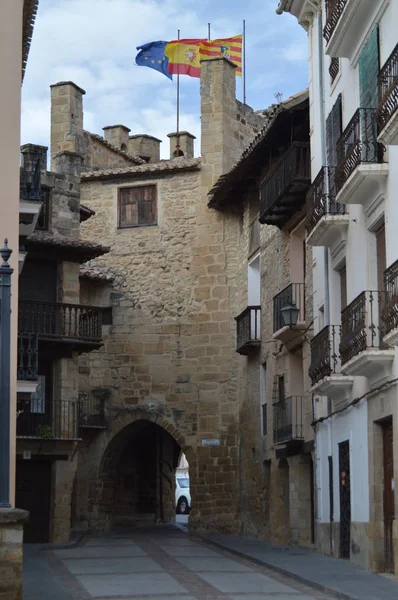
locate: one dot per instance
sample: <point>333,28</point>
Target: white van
<point>183,496</point>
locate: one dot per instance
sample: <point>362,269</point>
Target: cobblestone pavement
<point>161,563</point>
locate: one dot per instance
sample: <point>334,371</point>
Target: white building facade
<point>352,218</point>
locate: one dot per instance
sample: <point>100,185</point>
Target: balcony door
<point>345,499</point>
<point>38,281</point>
<point>254,292</point>
<point>381,267</point>
<point>388,495</point>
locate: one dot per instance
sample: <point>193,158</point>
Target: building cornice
<point>304,10</point>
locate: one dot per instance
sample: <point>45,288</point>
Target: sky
<point>93,43</point>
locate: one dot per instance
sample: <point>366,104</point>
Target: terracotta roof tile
<point>29,14</point>
<point>80,250</point>
<point>163,166</point>
<point>94,274</point>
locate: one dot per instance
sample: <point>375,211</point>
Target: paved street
<point>154,564</point>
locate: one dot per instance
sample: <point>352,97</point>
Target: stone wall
<point>11,552</point>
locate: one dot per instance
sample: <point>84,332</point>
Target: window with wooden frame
<point>137,206</point>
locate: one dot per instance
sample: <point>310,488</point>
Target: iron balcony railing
<point>91,412</point>
<point>30,180</point>
<point>292,294</point>
<point>288,419</point>
<point>293,166</point>
<point>362,325</point>
<point>48,420</point>
<point>248,329</point>
<point>388,89</point>
<point>334,68</point>
<point>325,358</point>
<point>390,312</point>
<point>358,144</point>
<point>334,10</point>
<point>321,198</point>
<point>52,320</point>
<point>28,356</point>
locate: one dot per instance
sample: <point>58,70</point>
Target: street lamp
<point>5,397</point>
<point>290,314</point>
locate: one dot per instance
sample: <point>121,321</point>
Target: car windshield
<point>183,482</point>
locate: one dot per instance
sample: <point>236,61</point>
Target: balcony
<point>76,325</point>
<point>285,187</point>
<point>346,25</point>
<point>327,220</point>
<point>362,349</point>
<point>30,194</point>
<point>387,113</point>
<point>91,412</point>
<point>293,294</point>
<point>288,420</point>
<point>325,369</point>
<point>40,419</point>
<point>28,362</point>
<point>390,311</point>
<point>248,330</point>
<point>361,172</point>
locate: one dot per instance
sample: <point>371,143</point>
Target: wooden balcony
<point>77,326</point>
<point>362,349</point>
<point>288,420</point>
<point>360,172</point>
<point>248,330</point>
<point>325,369</point>
<point>293,294</point>
<point>387,112</point>
<point>285,187</point>
<point>42,419</point>
<point>327,220</point>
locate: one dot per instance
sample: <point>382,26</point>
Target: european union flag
<point>152,55</point>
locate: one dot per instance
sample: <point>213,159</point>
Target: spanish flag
<point>230,48</point>
<point>184,56</point>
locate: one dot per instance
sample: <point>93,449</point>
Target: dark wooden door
<point>33,493</point>
<point>388,495</point>
<point>38,281</point>
<point>345,499</point>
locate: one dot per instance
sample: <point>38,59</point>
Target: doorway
<point>345,499</point>
<point>388,495</point>
<point>33,493</point>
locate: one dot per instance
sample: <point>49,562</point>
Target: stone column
<point>66,194</point>
<point>11,552</point>
<point>66,118</point>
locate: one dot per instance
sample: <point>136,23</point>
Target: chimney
<point>219,143</point>
<point>185,141</point>
<point>145,146</point>
<point>118,136</point>
<point>66,118</point>
<point>30,154</point>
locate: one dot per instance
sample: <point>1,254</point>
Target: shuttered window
<point>381,256</point>
<point>137,206</point>
<point>368,68</point>
<point>343,287</point>
<point>333,131</point>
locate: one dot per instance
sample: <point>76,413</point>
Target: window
<point>263,396</point>
<point>43,221</point>
<point>281,388</point>
<point>137,206</point>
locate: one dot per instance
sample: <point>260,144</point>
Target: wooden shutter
<point>381,256</point>
<point>333,131</point>
<point>137,206</point>
<point>368,68</point>
<point>281,388</point>
<point>343,287</point>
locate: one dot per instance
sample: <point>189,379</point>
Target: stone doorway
<point>137,477</point>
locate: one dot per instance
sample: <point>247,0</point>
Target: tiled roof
<point>29,14</point>
<point>270,115</point>
<point>134,159</point>
<point>85,213</point>
<point>94,274</point>
<point>161,167</point>
<point>76,250</point>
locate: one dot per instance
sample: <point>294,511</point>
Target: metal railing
<point>334,68</point>
<point>321,198</point>
<point>248,327</point>
<point>58,320</point>
<point>390,311</point>
<point>28,356</point>
<point>358,144</point>
<point>388,89</point>
<point>362,325</point>
<point>325,357</point>
<point>293,165</point>
<point>334,10</point>
<point>292,294</point>
<point>30,181</point>
<point>48,420</point>
<point>288,419</point>
<point>91,412</point>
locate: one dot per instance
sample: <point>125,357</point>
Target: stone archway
<point>134,481</point>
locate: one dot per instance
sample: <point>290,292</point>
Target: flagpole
<point>178,109</point>
<point>208,31</point>
<point>244,61</point>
